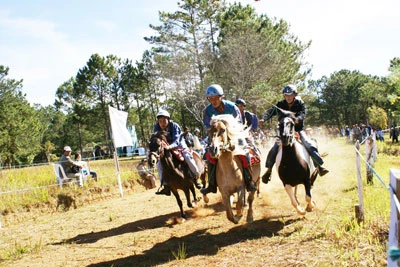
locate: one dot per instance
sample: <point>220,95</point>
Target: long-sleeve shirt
<point>298,107</point>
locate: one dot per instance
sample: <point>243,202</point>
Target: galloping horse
<point>224,135</point>
<point>175,172</point>
<point>294,165</point>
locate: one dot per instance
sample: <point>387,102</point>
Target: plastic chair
<point>62,178</point>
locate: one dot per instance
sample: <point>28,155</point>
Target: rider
<point>250,120</point>
<point>296,105</point>
<point>219,106</point>
<point>175,139</point>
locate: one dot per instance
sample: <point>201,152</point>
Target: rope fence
<point>394,191</point>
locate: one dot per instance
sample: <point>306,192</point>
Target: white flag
<point>120,133</point>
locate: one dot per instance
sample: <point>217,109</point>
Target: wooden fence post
<point>359,208</point>
<point>394,212</point>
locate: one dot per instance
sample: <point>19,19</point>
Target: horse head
<point>218,137</point>
<point>156,148</point>
<point>286,129</point>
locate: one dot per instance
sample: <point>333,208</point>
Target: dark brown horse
<point>174,171</point>
<point>294,165</point>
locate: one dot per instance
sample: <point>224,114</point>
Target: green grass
<point>24,188</point>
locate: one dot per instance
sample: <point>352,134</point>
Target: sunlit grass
<point>34,186</point>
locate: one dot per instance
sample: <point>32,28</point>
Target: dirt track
<point>142,229</point>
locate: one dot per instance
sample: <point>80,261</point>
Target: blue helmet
<point>240,101</point>
<point>214,90</point>
<point>289,89</point>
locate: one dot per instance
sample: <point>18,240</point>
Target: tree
<point>19,123</point>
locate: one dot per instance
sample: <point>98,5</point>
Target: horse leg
<point>226,199</point>
<point>310,204</point>
<point>295,204</point>
<point>240,203</point>
<point>250,200</point>
<point>178,199</point>
<point>187,195</point>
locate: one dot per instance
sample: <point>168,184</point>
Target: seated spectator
<point>145,174</point>
<point>71,168</point>
<point>85,170</point>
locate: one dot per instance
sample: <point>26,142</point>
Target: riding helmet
<point>240,101</point>
<point>163,113</point>
<point>214,90</point>
<point>289,89</point>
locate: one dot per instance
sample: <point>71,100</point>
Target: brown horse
<point>175,172</point>
<point>224,135</point>
<point>294,165</point>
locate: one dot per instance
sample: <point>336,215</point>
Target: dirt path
<point>141,229</point>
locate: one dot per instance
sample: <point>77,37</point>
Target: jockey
<point>250,120</point>
<point>219,106</point>
<point>175,140</point>
<point>296,105</point>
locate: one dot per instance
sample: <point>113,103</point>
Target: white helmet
<point>163,113</point>
<point>67,148</point>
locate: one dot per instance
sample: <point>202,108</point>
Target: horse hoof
<point>300,210</point>
<point>206,199</point>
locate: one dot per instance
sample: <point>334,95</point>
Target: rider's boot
<point>250,187</point>
<point>212,181</point>
<point>270,163</point>
<point>322,171</point>
<point>197,182</point>
<point>165,191</point>
<point>266,176</point>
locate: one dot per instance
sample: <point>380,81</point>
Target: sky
<point>46,42</point>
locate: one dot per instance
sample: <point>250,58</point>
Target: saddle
<point>177,152</point>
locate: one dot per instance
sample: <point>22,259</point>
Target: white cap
<point>67,148</point>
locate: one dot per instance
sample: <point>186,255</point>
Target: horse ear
<point>232,147</point>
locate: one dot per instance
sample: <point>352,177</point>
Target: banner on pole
<point>120,133</point>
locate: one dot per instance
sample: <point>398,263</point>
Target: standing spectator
<point>394,134</point>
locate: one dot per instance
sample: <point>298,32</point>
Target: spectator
<point>85,169</point>
<point>145,174</point>
<point>196,142</point>
<point>71,168</point>
<point>394,134</point>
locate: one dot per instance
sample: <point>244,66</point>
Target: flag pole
<point>116,164</point>
<point>121,137</point>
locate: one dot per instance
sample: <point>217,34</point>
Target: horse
<point>294,164</point>
<point>175,172</point>
<point>225,134</point>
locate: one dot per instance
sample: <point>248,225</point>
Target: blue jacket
<point>229,108</point>
<point>174,134</point>
<point>250,120</point>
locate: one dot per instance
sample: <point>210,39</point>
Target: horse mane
<point>236,131</point>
